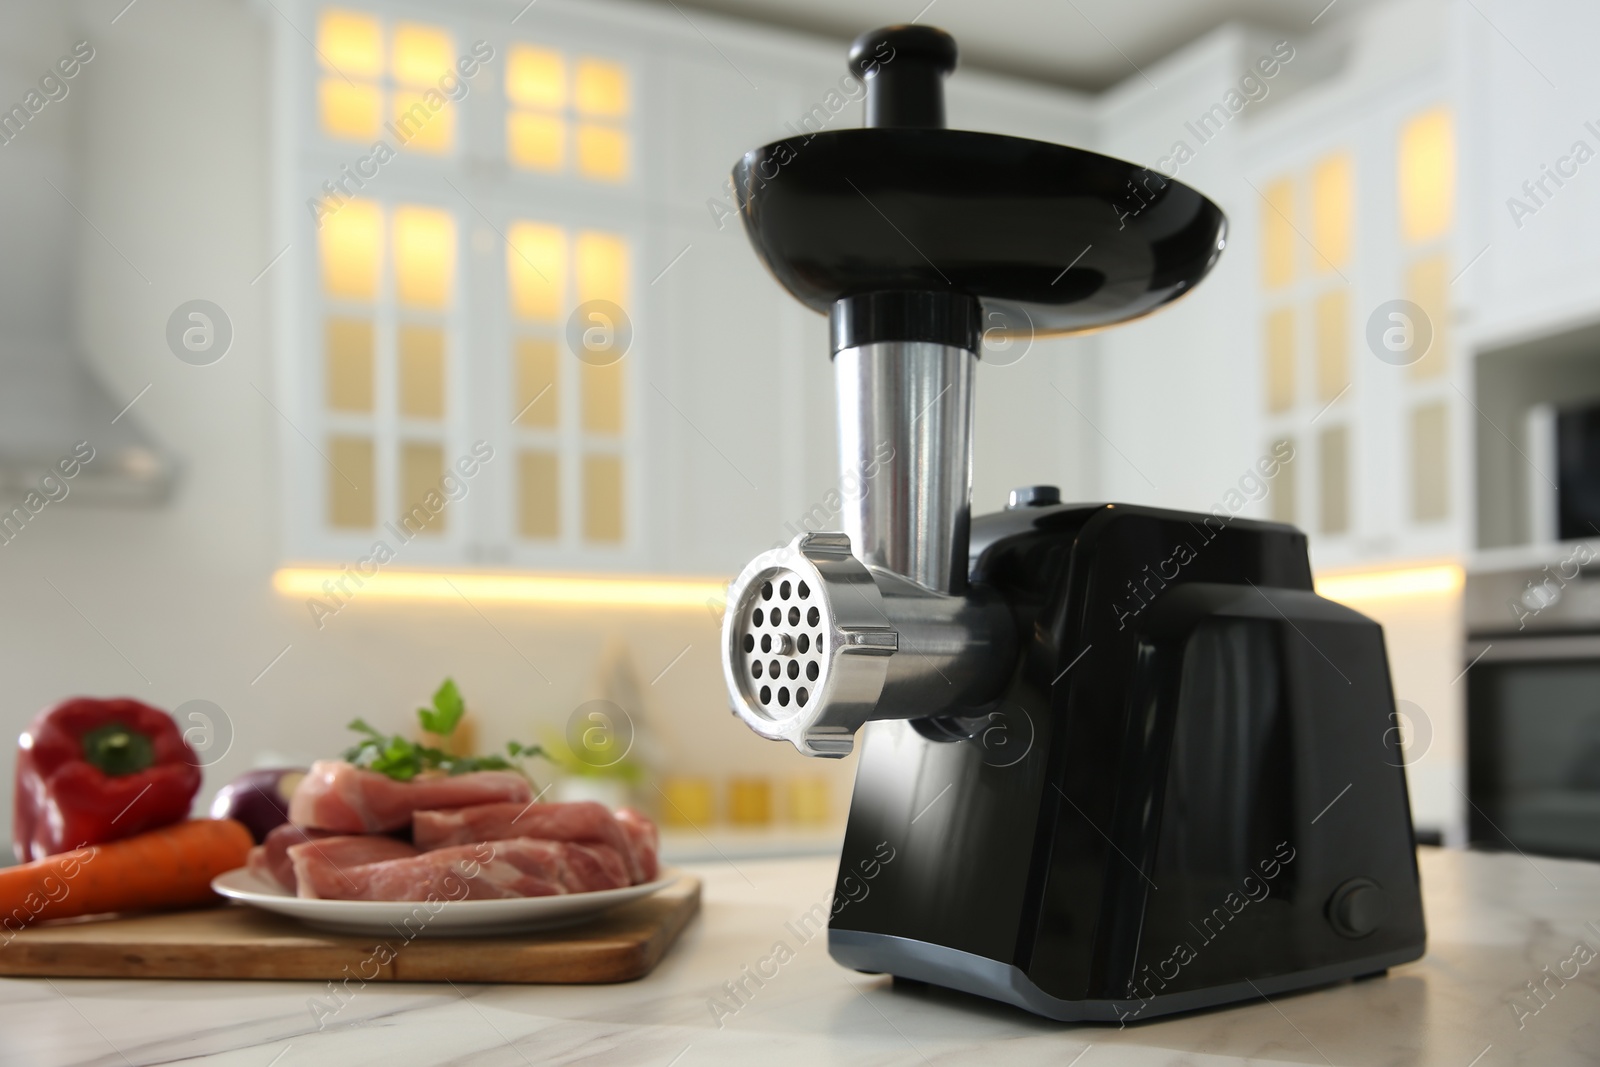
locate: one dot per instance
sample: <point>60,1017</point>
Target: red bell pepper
<point>91,771</point>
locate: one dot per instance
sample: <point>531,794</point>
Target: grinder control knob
<point>1034,496</point>
<point>1358,907</point>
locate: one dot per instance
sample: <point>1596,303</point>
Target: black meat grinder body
<point>1124,761</point>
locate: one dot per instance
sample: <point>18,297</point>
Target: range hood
<point>51,400</point>
<point>51,397</point>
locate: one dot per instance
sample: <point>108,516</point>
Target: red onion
<point>259,799</point>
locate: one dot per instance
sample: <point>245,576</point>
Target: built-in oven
<point>1533,705</point>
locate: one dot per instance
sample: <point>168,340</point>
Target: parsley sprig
<point>403,759</point>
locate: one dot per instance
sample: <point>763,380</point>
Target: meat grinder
<point>1127,761</point>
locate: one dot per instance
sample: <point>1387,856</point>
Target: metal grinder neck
<point>903,371</point>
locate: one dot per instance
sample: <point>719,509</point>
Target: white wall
<point>1178,393</point>
<point>1032,414</point>
<point>35,279</point>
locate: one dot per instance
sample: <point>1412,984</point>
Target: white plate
<point>415,918</point>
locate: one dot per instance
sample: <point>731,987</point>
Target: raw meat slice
<point>586,822</point>
<point>329,860</point>
<point>486,870</point>
<point>344,798</point>
<point>645,839</point>
<point>270,859</point>
<point>596,867</point>
<point>259,865</point>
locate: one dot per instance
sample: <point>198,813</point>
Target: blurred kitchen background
<point>293,288</point>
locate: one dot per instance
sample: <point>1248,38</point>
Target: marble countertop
<point>1495,923</point>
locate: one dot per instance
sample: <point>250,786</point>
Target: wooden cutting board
<point>238,941</point>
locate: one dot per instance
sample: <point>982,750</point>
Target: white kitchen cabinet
<point>728,443</point>
<point>718,440</point>
<point>1190,398</point>
<point>1533,95</point>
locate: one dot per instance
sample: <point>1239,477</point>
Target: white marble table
<point>1494,923</point>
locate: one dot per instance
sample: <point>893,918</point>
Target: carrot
<point>165,868</point>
